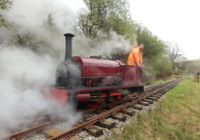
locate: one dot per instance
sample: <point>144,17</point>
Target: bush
<point>163,66</point>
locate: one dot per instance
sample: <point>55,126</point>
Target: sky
<point>175,21</point>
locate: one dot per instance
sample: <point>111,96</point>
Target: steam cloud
<point>103,47</point>
<point>32,14</point>
<point>23,72</point>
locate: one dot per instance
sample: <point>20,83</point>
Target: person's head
<point>141,46</point>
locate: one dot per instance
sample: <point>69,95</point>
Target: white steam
<point>32,14</point>
<point>44,21</point>
<point>104,47</point>
<point>22,73</point>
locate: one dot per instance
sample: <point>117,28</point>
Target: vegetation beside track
<point>177,117</point>
<point>161,81</point>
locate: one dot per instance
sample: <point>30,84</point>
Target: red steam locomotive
<point>93,80</point>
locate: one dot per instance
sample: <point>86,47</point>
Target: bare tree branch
<point>174,51</point>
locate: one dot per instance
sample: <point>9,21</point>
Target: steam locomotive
<point>93,80</point>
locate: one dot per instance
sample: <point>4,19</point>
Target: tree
<point>105,15</point>
<point>153,46</point>
<point>154,54</point>
<point>4,4</point>
<point>174,52</point>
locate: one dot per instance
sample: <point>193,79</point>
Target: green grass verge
<point>161,81</point>
<point>177,117</point>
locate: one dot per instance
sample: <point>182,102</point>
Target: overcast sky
<point>176,21</point>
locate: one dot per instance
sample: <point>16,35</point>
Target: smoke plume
<point>104,47</point>
<point>23,71</point>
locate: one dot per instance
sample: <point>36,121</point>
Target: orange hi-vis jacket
<point>135,57</point>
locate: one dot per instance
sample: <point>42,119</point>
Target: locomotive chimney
<point>68,43</point>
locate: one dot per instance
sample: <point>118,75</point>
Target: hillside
<point>190,66</point>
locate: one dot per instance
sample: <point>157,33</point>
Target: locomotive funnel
<point>68,43</point>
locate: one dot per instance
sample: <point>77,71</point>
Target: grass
<point>177,117</point>
<point>161,81</point>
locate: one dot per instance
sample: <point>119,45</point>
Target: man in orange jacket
<point>135,57</point>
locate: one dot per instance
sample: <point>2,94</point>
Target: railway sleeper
<point>156,96</point>
<point>159,94</point>
<point>52,133</point>
<point>106,123</point>
<point>148,100</point>
<point>119,116</point>
<point>152,98</point>
<point>144,103</point>
<point>94,130</point>
<point>137,106</point>
<point>129,111</point>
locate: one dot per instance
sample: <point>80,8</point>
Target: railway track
<point>98,118</point>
